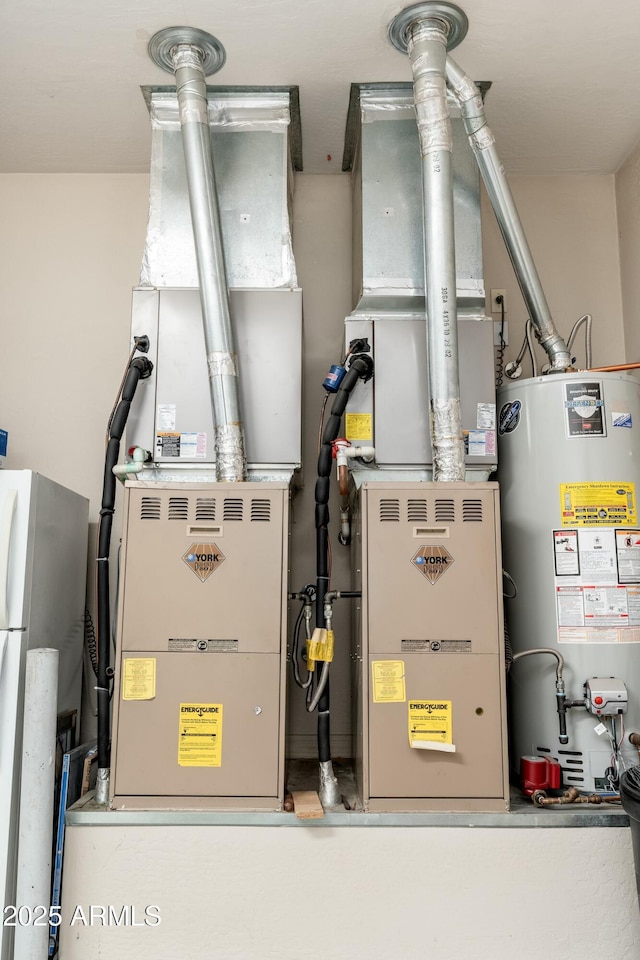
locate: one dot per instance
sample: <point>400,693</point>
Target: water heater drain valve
<point>605,696</point>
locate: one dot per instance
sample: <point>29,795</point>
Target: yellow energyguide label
<point>358,426</point>
<point>430,721</point>
<point>200,735</point>
<point>138,678</point>
<point>388,681</point>
<point>598,504</point>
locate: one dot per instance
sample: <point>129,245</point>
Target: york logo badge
<point>204,559</point>
<point>432,561</point>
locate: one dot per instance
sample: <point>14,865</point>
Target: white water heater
<point>569,451</point>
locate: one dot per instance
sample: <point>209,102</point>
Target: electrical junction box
<point>428,656</point>
<point>606,697</point>
<point>201,649</point>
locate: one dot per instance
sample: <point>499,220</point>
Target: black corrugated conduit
<point>139,369</point>
<point>360,368</point>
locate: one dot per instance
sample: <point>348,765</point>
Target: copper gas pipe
<point>613,369</point>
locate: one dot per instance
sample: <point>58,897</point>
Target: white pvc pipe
<point>134,466</point>
<point>35,834</point>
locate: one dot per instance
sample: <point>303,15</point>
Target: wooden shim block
<point>306,805</point>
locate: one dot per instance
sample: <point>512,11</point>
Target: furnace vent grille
<point>445,511</point>
<point>472,511</point>
<point>390,510</point>
<point>261,510</point>
<point>417,511</point>
<point>178,508</point>
<point>205,508</point>
<point>150,508</point>
<point>233,509</point>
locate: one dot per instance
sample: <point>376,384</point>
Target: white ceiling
<point>565,96</point>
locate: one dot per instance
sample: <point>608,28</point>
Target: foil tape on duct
<point>434,127</point>
<point>448,451</point>
<point>230,460</point>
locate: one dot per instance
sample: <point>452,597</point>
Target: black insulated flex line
<point>361,368</point>
<point>139,369</point>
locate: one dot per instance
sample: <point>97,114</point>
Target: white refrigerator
<point>43,561</point>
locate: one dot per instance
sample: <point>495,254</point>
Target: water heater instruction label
<point>200,735</point>
<point>388,681</point>
<point>430,721</point>
<point>598,504</point>
<point>597,584</point>
<point>138,678</point>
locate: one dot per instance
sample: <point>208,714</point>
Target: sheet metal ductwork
<point>218,295</point>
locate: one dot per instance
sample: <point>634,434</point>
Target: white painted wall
<point>570,223</point>
<point>371,893</point>
<point>628,204</point>
<point>71,252</point>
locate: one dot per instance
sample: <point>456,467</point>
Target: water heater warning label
<point>200,735</point>
<point>597,584</point>
<point>598,504</point>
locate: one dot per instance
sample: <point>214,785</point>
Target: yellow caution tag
<point>324,650</point>
<point>200,735</point>
<point>138,678</point>
<point>358,426</point>
<point>314,647</point>
<point>388,681</point>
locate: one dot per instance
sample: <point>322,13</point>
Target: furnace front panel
<point>199,719</point>
<point>429,658</point>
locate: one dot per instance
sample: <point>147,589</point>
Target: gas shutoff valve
<point>606,697</point>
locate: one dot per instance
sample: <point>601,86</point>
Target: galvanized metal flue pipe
<point>483,145</point>
<point>186,59</point>
<point>427,48</point>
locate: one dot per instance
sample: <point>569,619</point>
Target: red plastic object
<point>539,773</point>
<point>339,442</point>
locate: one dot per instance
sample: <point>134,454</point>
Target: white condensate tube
<point>35,835</point>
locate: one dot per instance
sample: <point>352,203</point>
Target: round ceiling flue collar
<point>165,41</point>
<point>452,15</point>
